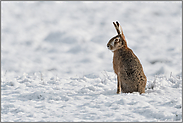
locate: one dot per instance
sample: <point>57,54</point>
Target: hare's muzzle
<point>108,46</point>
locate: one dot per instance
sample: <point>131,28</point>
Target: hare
<point>126,65</point>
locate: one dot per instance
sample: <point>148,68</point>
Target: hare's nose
<point>108,46</point>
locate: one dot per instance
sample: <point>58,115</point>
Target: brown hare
<point>126,65</point>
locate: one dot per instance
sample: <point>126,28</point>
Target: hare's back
<point>132,68</point>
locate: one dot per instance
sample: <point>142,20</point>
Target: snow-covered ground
<point>55,65</point>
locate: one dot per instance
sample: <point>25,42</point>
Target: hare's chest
<point>116,64</point>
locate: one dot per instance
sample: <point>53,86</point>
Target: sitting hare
<point>126,65</point>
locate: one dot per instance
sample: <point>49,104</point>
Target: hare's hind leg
<point>118,85</point>
<point>141,89</point>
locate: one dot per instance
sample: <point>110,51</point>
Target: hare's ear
<point>120,30</point>
<point>117,28</point>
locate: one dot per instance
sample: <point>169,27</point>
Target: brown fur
<point>126,65</point>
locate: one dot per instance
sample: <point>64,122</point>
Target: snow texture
<point>55,65</point>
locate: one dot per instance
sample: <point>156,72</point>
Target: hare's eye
<point>116,40</point>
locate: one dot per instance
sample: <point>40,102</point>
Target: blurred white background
<point>69,38</point>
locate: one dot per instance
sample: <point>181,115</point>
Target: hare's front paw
<point>118,91</point>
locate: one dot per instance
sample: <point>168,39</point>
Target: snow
<point>55,65</point>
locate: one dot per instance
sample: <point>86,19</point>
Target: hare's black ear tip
<point>117,23</point>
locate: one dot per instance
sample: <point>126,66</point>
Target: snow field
<point>89,98</point>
